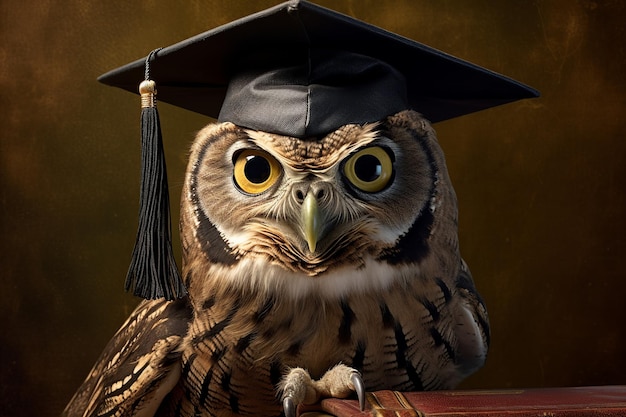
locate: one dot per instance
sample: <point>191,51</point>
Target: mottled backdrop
<point>541,183</point>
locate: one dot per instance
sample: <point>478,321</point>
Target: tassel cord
<point>153,272</point>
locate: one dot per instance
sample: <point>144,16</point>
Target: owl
<point>315,267</point>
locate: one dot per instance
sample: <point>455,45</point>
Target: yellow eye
<point>370,169</point>
<point>255,171</point>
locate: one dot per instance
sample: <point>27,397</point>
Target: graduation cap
<point>295,69</point>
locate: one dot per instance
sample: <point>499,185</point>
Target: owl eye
<point>370,169</point>
<point>255,171</point>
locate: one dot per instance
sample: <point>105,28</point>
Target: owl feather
<point>312,266</point>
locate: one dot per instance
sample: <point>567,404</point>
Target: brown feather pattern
<point>386,293</point>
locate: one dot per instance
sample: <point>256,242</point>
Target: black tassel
<point>153,272</point>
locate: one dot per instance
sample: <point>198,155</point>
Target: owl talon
<point>359,388</point>
<point>289,407</point>
<point>338,382</point>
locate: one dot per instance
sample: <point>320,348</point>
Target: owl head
<point>335,213</point>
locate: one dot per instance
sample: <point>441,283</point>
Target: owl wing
<point>139,366</point>
<point>472,324</point>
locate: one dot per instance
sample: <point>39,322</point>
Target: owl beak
<point>312,221</point>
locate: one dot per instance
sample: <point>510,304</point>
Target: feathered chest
<point>240,344</point>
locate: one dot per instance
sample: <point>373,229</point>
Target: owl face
<point>309,207</point>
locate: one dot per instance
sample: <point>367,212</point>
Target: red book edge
<point>569,401</point>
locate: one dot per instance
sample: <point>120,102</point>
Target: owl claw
<point>359,388</point>
<point>338,382</point>
<point>289,407</point>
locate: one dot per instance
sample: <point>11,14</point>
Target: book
<point>536,402</point>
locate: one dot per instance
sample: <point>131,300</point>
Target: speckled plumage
<point>385,291</point>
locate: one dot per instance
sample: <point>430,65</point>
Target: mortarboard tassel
<point>153,272</point>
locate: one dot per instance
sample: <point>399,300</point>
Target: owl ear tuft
<point>153,272</point>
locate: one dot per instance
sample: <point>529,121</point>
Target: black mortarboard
<point>301,70</point>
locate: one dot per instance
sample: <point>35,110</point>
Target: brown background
<point>540,182</point>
